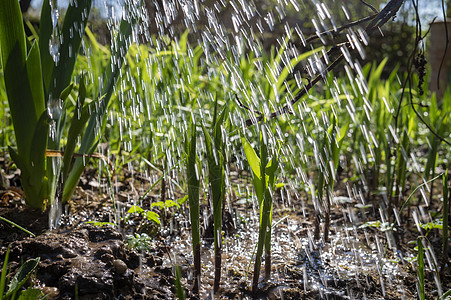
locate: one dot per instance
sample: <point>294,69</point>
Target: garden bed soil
<point>92,260</point>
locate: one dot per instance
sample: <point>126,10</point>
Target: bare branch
<point>370,6</point>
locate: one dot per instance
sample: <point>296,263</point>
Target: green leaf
<point>135,209</point>
<point>432,225</point>
<point>252,157</point>
<point>13,56</point>
<point>4,271</point>
<point>30,294</point>
<point>171,203</point>
<point>66,92</point>
<point>100,224</point>
<point>420,261</point>
<point>38,155</point>
<point>182,200</point>
<point>22,275</point>
<point>71,35</point>
<point>110,77</point>
<point>46,29</point>
<point>287,70</point>
<point>35,78</point>
<point>153,216</point>
<point>78,123</point>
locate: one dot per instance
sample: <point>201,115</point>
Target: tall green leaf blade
<point>252,157</point>
<point>38,155</point>
<point>71,35</point>
<point>35,78</point>
<point>4,271</point>
<point>46,29</point>
<point>254,162</point>
<point>111,76</point>
<point>78,123</point>
<point>13,56</point>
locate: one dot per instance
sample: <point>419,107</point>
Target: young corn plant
<point>216,173</point>
<point>263,176</point>
<point>446,193</point>
<point>420,271</point>
<point>329,152</point>
<point>192,173</point>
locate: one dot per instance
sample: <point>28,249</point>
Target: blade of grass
<point>3,276</point>
<point>179,290</point>
<point>445,220</point>
<point>420,261</point>
<point>193,196</point>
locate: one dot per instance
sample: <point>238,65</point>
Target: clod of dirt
<point>92,263</point>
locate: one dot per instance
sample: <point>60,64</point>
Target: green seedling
<point>18,281</point>
<point>420,271</point>
<point>140,242</point>
<point>23,83</point>
<point>329,151</point>
<point>445,222</point>
<point>148,214</point>
<point>263,176</point>
<point>216,174</point>
<point>179,290</point>
<point>192,174</point>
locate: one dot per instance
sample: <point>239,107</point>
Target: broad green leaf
<point>135,209</point>
<point>252,158</point>
<point>78,123</point>
<point>182,200</point>
<point>171,203</point>
<point>71,35</point>
<point>46,29</point>
<point>22,275</point>
<point>13,55</point>
<point>38,155</point>
<point>30,294</point>
<point>66,92</point>
<point>153,216</point>
<point>342,133</point>
<point>35,78</point>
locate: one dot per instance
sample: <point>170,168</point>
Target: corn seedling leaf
<point>420,261</point>
<point>252,157</point>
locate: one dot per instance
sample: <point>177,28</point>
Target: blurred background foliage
<point>396,45</point>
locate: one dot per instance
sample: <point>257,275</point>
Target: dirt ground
<point>93,261</point>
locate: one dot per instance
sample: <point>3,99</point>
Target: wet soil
<point>94,261</point>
